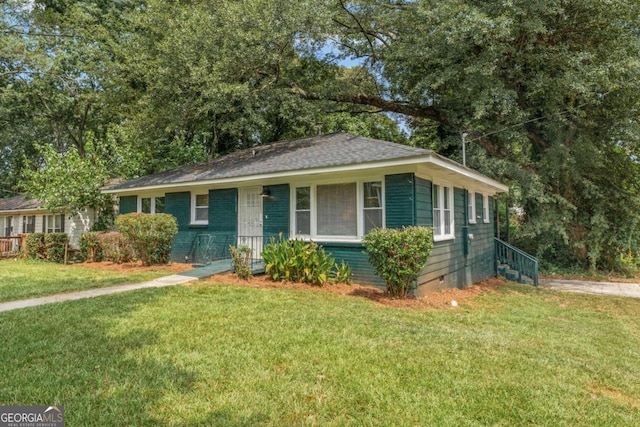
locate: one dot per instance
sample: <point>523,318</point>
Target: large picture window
<point>338,211</point>
<point>337,207</point>
<point>443,225</point>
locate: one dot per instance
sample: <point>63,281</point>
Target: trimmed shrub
<point>115,247</point>
<point>241,257</point>
<point>34,246</point>
<point>151,236</point>
<point>398,256</point>
<point>90,248</point>
<point>299,261</point>
<point>54,244</point>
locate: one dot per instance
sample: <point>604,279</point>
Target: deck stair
<point>514,264</point>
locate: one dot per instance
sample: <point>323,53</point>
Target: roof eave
<point>426,158</point>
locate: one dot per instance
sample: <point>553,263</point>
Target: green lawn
<point>235,356</point>
<point>20,279</point>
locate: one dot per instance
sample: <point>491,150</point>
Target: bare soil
<point>442,300</point>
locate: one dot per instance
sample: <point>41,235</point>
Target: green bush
<point>34,246</point>
<point>241,257</point>
<point>55,244</point>
<point>398,256</point>
<point>115,247</point>
<point>151,236</point>
<point>90,248</point>
<point>299,261</point>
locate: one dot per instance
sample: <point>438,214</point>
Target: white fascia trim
<point>429,158</point>
<point>21,211</point>
<point>469,173</point>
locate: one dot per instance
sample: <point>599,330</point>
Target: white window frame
<point>313,226</point>
<point>472,207</point>
<point>153,202</point>
<point>194,197</point>
<point>439,234</point>
<point>485,208</point>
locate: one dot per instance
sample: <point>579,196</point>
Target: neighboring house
<point>331,189</point>
<point>20,215</point>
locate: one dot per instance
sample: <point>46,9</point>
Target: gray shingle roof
<point>18,203</point>
<point>330,150</point>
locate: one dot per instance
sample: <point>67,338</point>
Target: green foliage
<point>151,236</point>
<point>34,246</point>
<point>398,256</point>
<point>547,92</point>
<point>342,273</point>
<point>90,247</point>
<point>55,245</point>
<point>241,257</point>
<point>299,261</point>
<point>46,246</point>
<point>115,247</point>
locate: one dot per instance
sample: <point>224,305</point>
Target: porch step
<point>505,271</point>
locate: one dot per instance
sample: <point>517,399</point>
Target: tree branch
<point>400,107</point>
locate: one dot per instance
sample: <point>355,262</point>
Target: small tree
<point>150,235</point>
<point>398,256</point>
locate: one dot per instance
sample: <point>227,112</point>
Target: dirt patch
<point>136,267</point>
<point>435,300</point>
<point>615,395</point>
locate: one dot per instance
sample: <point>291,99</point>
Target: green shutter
<point>400,200</point>
<point>276,212</point>
<point>128,204</point>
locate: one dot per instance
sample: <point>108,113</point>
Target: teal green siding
<point>179,205</point>
<point>424,204</point>
<point>276,212</point>
<point>482,249</point>
<point>223,220</point>
<point>400,204</point>
<point>128,204</point>
<point>357,258</point>
<point>447,260</point>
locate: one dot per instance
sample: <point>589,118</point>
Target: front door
<point>250,219</point>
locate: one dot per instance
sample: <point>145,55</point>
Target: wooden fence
<point>11,246</point>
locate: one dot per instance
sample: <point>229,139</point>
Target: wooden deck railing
<point>11,245</point>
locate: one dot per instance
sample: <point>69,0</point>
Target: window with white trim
<point>151,205</point>
<point>303,211</point>
<point>338,211</point>
<point>443,219</point>
<point>200,208</point>
<point>472,207</point>
<point>53,224</point>
<point>485,208</point>
<point>372,207</point>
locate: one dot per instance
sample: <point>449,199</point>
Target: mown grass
<point>234,356</point>
<point>20,279</point>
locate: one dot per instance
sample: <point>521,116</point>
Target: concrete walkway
<point>600,288</point>
<point>176,279</point>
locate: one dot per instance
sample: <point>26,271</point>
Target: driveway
<point>600,288</point>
